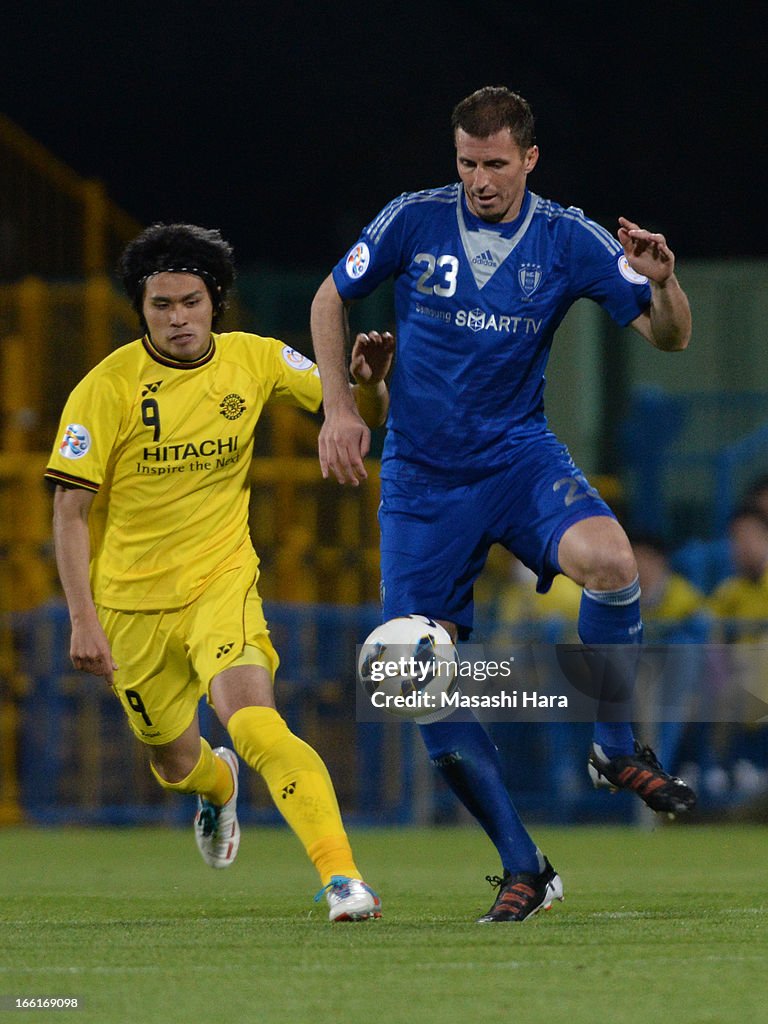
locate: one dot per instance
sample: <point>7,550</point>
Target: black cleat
<point>523,894</point>
<point>641,773</point>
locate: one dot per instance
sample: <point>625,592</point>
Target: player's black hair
<point>653,541</point>
<point>492,108</point>
<point>183,248</point>
<point>748,510</point>
<point>756,488</point>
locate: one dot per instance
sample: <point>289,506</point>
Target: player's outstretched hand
<point>342,444</point>
<point>371,357</point>
<point>647,252</point>
<point>89,650</point>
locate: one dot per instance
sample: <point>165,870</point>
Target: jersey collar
<point>506,228</point>
<point>178,364</point>
<point>485,246</point>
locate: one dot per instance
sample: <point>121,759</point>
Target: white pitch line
<point>422,966</point>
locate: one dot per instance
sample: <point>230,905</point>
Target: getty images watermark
<point>567,683</point>
<point>428,686</point>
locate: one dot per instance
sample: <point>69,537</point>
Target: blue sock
<point>466,758</point>
<point>613,617</point>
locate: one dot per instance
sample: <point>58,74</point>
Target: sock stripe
<point>617,598</point>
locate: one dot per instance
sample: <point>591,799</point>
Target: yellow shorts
<point>167,659</point>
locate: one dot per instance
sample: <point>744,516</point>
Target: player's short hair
<point>179,248</point>
<point>756,487</point>
<point>492,108</point>
<point>654,541</point>
<point>748,511</point>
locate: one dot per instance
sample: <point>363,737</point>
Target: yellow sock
<point>333,856</point>
<point>211,777</point>
<point>299,784</point>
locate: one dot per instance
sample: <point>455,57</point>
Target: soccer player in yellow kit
<point>154,553</point>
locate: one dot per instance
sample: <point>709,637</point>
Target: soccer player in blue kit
<point>485,271</point>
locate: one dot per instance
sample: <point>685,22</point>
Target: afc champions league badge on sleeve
<point>357,261</point>
<point>295,359</point>
<point>628,273</point>
<point>76,441</point>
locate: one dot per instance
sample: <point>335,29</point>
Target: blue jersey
<point>477,307</point>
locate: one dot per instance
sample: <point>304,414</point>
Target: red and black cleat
<point>641,773</point>
<point>523,894</point>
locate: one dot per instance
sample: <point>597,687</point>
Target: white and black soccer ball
<point>408,666</point>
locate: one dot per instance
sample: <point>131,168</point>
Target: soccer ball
<point>409,667</point>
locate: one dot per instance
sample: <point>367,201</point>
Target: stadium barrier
<point>54,221</point>
<point>78,762</point>
<point>701,451</point>
<point>320,579</point>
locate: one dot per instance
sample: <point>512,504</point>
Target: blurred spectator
<point>741,600</point>
<point>497,593</point>
<point>674,613</point>
<point>757,494</point>
<point>673,609</point>
<point>507,593</point>
<point>706,563</point>
<point>560,605</point>
<point>741,604</point>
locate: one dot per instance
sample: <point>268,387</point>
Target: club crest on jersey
<point>232,406</point>
<point>529,275</point>
<point>76,441</point>
<point>358,260</point>
<point>295,359</point>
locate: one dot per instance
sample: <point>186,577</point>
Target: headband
<point>206,276</point>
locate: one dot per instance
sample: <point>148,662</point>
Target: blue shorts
<point>435,536</point>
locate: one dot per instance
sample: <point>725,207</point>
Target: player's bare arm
<point>667,322</point>
<point>89,647</point>
<point>369,365</point>
<point>344,438</point>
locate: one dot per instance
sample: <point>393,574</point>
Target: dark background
<point>289,125</point>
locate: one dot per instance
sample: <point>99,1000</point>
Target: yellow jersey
<point>166,447</point>
<point>675,600</point>
<point>743,603</point>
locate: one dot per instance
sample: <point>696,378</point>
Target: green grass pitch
<point>660,927</point>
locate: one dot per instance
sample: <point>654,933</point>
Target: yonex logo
<point>224,649</point>
<point>485,259</point>
<point>288,790</point>
<point>151,388</point>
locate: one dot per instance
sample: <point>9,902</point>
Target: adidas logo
<point>151,388</point>
<point>224,649</point>
<point>288,790</point>
<point>485,259</point>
